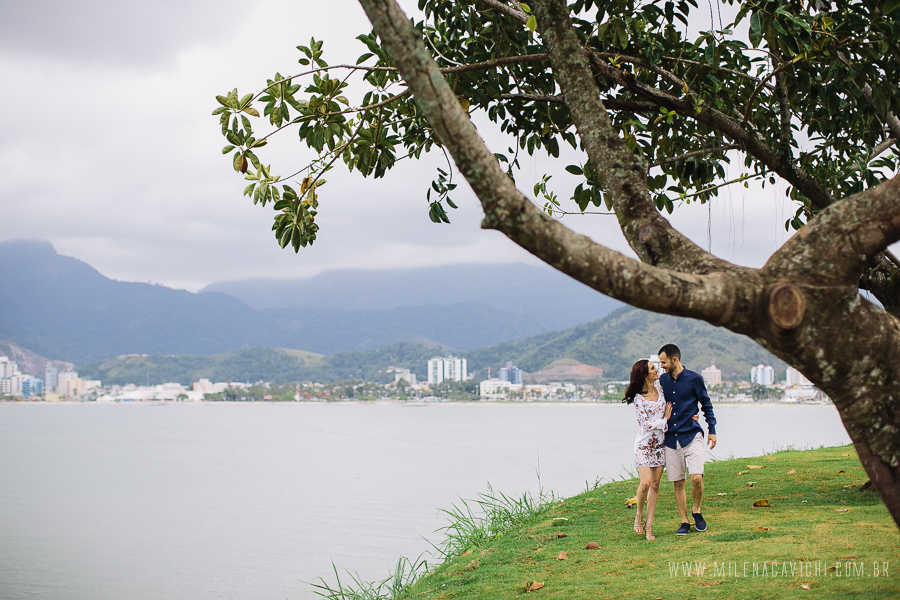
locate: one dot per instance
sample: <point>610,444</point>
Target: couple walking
<point>667,413</point>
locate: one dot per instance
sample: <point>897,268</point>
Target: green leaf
<point>890,6</point>
<point>574,170</point>
<point>531,24</point>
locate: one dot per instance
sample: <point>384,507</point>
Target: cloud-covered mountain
<point>64,309</point>
<point>541,293</point>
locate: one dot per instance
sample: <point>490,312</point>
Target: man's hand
<point>711,441</point>
<point>668,412</point>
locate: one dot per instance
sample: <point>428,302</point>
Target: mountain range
<point>63,308</point>
<point>612,343</point>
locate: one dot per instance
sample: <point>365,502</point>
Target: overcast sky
<point>109,151</point>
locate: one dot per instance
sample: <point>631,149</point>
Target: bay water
<point>253,501</point>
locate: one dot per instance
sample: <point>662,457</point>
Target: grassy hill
<point>820,538</point>
<point>616,341</point>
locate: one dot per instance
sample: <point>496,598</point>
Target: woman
<point>645,392</point>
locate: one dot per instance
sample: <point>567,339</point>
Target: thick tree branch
<point>717,298</point>
<point>623,174</point>
<point>837,246</point>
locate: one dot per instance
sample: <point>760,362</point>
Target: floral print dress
<point>649,450</point>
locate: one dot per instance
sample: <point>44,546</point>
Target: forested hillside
<point>613,343</point>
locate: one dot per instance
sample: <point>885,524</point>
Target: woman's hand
<point>696,417</point>
<point>668,413</point>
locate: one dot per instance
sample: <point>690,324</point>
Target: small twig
<point>700,152</point>
<point>759,87</point>
<point>721,185</point>
<point>518,15</point>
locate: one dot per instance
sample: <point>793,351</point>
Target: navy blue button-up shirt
<point>686,392</point>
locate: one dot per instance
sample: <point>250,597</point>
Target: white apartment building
<point>8,368</point>
<point>10,378</point>
<point>762,374</point>
<point>712,375</point>
<point>63,379</point>
<point>446,367</point>
<point>493,389</point>
<point>794,377</point>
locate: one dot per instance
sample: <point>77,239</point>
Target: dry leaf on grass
<point>533,586</point>
<point>754,466</point>
<point>466,553</point>
<point>560,534</point>
<point>750,483</point>
<point>804,587</point>
<point>761,529</point>
<point>762,502</point>
<point>791,472</point>
<point>741,472</point>
<point>592,546</point>
<point>562,556</point>
<point>721,494</point>
<point>630,502</point>
<point>843,509</point>
<point>845,454</point>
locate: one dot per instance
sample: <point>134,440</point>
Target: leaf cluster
<point>816,83</point>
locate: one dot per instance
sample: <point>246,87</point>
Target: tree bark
<point>803,305</point>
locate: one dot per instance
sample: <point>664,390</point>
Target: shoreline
<point>376,402</point>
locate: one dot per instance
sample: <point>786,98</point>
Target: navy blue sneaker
<point>684,529</point>
<point>699,521</point>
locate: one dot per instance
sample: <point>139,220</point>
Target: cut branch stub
<point>787,305</point>
<point>645,233</point>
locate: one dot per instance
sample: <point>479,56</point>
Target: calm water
<point>248,501</point>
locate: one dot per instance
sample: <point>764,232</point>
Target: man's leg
<point>696,491</point>
<point>695,456</point>
<point>676,472</point>
<point>681,500</point>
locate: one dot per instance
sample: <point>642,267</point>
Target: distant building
<point>493,389</point>
<point>712,375</point>
<point>510,373</point>
<point>50,377</point>
<point>62,381</point>
<point>32,386</point>
<point>450,368</point>
<point>8,368</point>
<point>10,378</point>
<point>404,374</point>
<point>762,374</point>
<point>794,377</point>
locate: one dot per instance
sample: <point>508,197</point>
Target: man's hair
<point>671,351</point>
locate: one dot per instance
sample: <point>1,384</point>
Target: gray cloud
<point>117,162</point>
<point>113,30</point>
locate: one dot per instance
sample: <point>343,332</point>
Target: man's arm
<point>707,408</point>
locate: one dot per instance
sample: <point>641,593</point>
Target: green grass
<point>818,519</point>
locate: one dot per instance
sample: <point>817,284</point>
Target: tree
<point>811,100</point>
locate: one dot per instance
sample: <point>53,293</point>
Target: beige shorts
<point>691,457</point>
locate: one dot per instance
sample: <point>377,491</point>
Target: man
<point>685,451</point>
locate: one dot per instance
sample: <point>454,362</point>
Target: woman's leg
<point>655,474</point>
<point>646,474</point>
